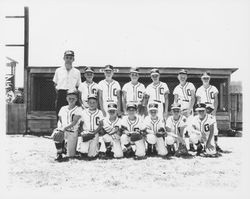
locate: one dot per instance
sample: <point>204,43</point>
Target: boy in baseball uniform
<point>202,131</point>
<point>175,126</point>
<point>133,91</point>
<point>131,126</point>
<point>155,132</point>
<point>158,92</point>
<point>68,123</point>
<point>208,94</point>
<point>184,93</point>
<point>92,119</point>
<point>110,143</point>
<point>109,90</point>
<point>88,87</point>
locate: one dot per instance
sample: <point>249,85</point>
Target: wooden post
<point>26,66</point>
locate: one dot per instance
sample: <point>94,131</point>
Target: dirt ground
<point>31,165</point>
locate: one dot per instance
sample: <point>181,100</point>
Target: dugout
<point>41,93</point>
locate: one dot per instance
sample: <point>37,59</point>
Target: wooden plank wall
<point>236,110</point>
<point>15,118</point>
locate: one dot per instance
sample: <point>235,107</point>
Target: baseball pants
<point>140,148</point>
<point>115,142</point>
<point>90,147</point>
<point>159,144</point>
<point>71,138</point>
<point>60,101</point>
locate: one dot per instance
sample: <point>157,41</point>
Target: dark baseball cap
<point>182,71</point>
<point>112,106</point>
<point>109,67</point>
<point>72,92</point>
<point>69,53</point>
<point>200,106</point>
<point>175,106</point>
<point>131,105</point>
<point>88,69</point>
<point>205,74</point>
<point>153,106</point>
<point>154,71</point>
<point>134,70</point>
<point>92,96</point>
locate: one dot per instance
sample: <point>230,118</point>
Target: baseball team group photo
<point>124,100</point>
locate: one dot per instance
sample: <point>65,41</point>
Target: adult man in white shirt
<point>66,78</point>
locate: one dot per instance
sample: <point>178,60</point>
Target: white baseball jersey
<point>157,92</point>
<point>109,90</point>
<point>175,124</point>
<point>207,95</point>
<point>131,125</point>
<point>203,125</point>
<point>87,89</point>
<point>134,92</point>
<point>184,94</point>
<point>109,125</point>
<point>154,125</point>
<point>68,115</point>
<point>91,119</point>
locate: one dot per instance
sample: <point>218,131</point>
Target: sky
<point>194,33</point>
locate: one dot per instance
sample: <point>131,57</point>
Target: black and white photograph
<point>125,98</point>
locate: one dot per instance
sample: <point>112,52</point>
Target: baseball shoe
<point>191,148</point>
<point>140,157</point>
<point>109,153</point>
<point>199,150</point>
<point>59,158</point>
<point>218,149</point>
<point>129,153</point>
<point>102,156</point>
<point>171,150</point>
<point>92,158</point>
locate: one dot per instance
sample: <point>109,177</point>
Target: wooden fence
<point>236,110</point>
<point>15,118</point>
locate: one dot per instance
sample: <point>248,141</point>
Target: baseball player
<point>110,142</point>
<point>175,125</point>
<point>66,78</point>
<point>184,93</point>
<point>131,126</point>
<point>92,121</point>
<point>208,94</point>
<point>69,118</point>
<point>88,87</point>
<point>155,132</point>
<point>109,90</point>
<point>202,130</point>
<point>133,91</point>
<point>158,92</point>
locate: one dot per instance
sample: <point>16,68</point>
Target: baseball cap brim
<point>153,109</point>
<point>205,76</point>
<point>154,73</point>
<point>113,108</point>
<point>200,109</point>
